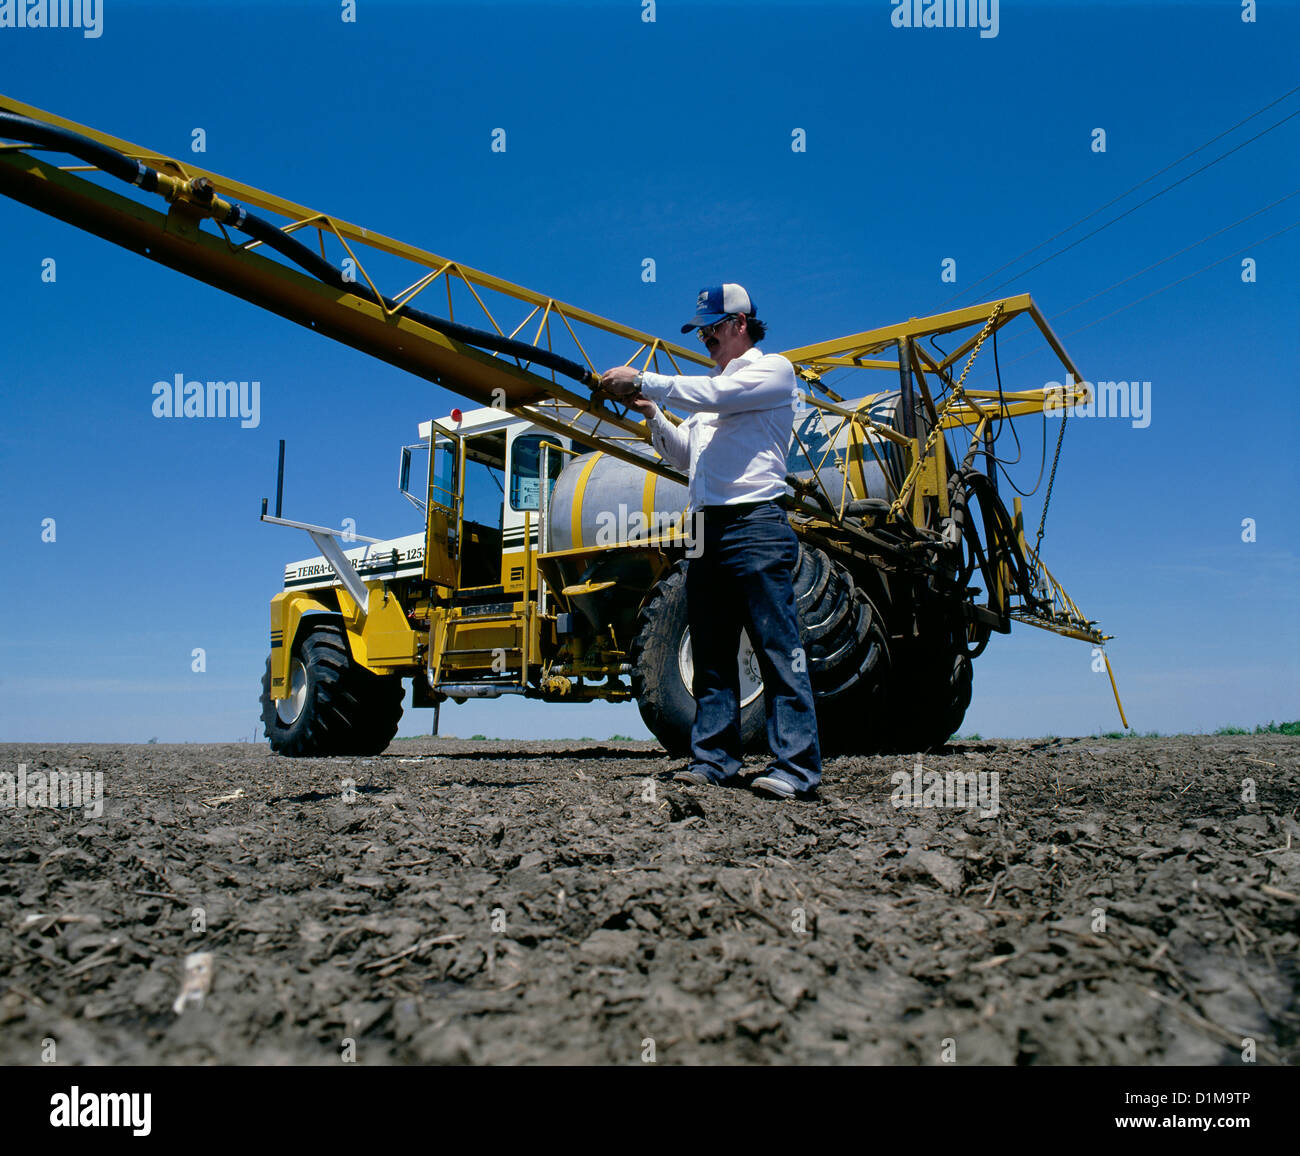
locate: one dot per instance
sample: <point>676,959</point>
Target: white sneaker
<point>773,787</point>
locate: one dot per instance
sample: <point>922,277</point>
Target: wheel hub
<point>751,678</point>
<point>289,708</point>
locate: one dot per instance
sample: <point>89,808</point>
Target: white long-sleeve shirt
<point>734,444</point>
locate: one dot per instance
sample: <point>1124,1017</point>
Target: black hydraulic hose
<point>507,345</point>
<point>809,490</point>
<point>111,161</point>
<point>135,172</point>
<point>994,511</point>
<point>263,230</point>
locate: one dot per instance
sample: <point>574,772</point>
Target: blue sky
<point>668,140</point>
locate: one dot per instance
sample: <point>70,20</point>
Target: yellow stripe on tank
<point>575,517</point>
<point>648,501</point>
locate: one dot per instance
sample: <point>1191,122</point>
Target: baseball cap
<point>716,302</point>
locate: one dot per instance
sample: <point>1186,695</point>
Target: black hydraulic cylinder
<point>990,464</point>
<point>907,395</point>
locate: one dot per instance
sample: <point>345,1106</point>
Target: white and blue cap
<point>717,302</point>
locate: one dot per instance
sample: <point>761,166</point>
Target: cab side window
<point>525,469</point>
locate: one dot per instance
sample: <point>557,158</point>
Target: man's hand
<point>619,382</point>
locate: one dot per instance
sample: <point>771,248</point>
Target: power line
<point>1188,277</point>
<point>1179,253</point>
<point>1179,281</point>
<point>1140,204</point>
<point>1114,200</point>
<point>1162,261</point>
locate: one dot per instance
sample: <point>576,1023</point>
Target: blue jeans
<point>743,578</point>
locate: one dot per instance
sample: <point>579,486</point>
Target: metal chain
<point>1051,481</point>
<point>953,398</point>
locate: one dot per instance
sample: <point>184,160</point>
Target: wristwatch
<point>636,381</point>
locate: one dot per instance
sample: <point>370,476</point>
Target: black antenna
<point>279,481</point>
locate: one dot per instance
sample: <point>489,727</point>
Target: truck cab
<point>483,484</point>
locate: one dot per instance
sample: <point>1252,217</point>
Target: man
<point>733,447</point>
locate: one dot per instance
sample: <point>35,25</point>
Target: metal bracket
<point>326,541</point>
<point>328,545</point>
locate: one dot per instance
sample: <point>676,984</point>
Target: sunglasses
<point>706,331</point>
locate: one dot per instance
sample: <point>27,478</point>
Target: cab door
<point>444,507</point>
<point>524,497</point>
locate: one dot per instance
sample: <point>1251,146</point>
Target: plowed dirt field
<point>1131,902</point>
